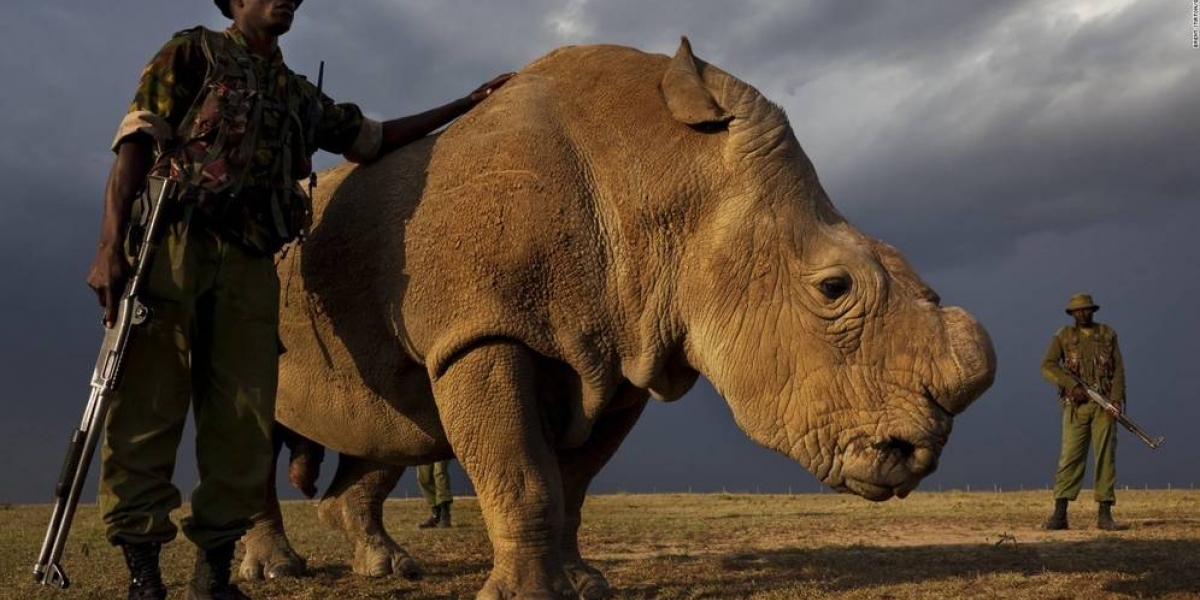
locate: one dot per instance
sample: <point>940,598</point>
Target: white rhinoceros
<point>607,227</point>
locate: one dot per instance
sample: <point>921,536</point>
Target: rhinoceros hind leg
<point>353,505</point>
<point>269,554</point>
<point>578,467</point>
<point>489,404</point>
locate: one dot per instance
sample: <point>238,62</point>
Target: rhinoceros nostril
<point>897,446</point>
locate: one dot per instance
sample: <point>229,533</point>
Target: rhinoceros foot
<point>589,583</point>
<point>376,554</point>
<point>526,583</point>
<point>376,557</point>
<point>269,555</point>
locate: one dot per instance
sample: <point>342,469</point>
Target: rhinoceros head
<point>825,343</point>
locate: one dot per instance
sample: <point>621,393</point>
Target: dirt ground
<point>724,546</point>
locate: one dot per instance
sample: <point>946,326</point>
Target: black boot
<point>211,581</point>
<point>1058,520</point>
<point>145,579</point>
<point>445,520</point>
<point>433,519</point>
<point>1104,518</point>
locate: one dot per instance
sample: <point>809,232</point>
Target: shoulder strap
<point>225,58</point>
<point>226,61</point>
<point>185,124</point>
<point>212,72</point>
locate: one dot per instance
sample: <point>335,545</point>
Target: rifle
<point>131,313</point>
<point>1122,418</point>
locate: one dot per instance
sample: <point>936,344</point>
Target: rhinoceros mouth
<point>890,456</point>
<point>892,462</point>
<point>878,468</point>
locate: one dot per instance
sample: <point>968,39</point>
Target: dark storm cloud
<point>1003,118</point>
<point>1067,124</point>
<point>1018,151</point>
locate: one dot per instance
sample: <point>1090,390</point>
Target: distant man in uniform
<point>223,114</point>
<point>434,481</point>
<point>1088,349</point>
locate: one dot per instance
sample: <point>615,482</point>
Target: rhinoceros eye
<point>834,287</point>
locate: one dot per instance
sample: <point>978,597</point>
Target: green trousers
<point>1082,426</point>
<point>211,344</point>
<point>434,481</point>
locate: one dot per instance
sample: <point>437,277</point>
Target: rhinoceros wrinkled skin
<point>605,228</point>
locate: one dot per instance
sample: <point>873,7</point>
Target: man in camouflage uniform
<point>223,114</point>
<point>434,481</point>
<point>1088,349</point>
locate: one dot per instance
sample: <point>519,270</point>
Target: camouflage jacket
<point>1093,354</point>
<point>240,130</point>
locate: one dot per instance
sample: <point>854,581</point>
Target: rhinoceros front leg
<point>488,403</point>
<point>353,505</point>
<point>578,467</point>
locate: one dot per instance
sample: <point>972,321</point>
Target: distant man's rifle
<point>131,313</point>
<point>1121,417</point>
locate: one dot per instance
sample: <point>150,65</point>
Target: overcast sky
<point>1018,151</point>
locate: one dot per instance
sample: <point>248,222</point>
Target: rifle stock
<point>105,377</point>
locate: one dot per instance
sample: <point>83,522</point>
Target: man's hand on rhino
<point>486,89</point>
<point>107,276</point>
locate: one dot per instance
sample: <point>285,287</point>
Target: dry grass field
<point>725,546</point>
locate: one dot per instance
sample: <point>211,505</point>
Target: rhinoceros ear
<point>687,96</point>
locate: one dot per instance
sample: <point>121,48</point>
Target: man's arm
<point>166,90</point>
<point>1052,370</point>
<point>110,268</point>
<point>405,130</point>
